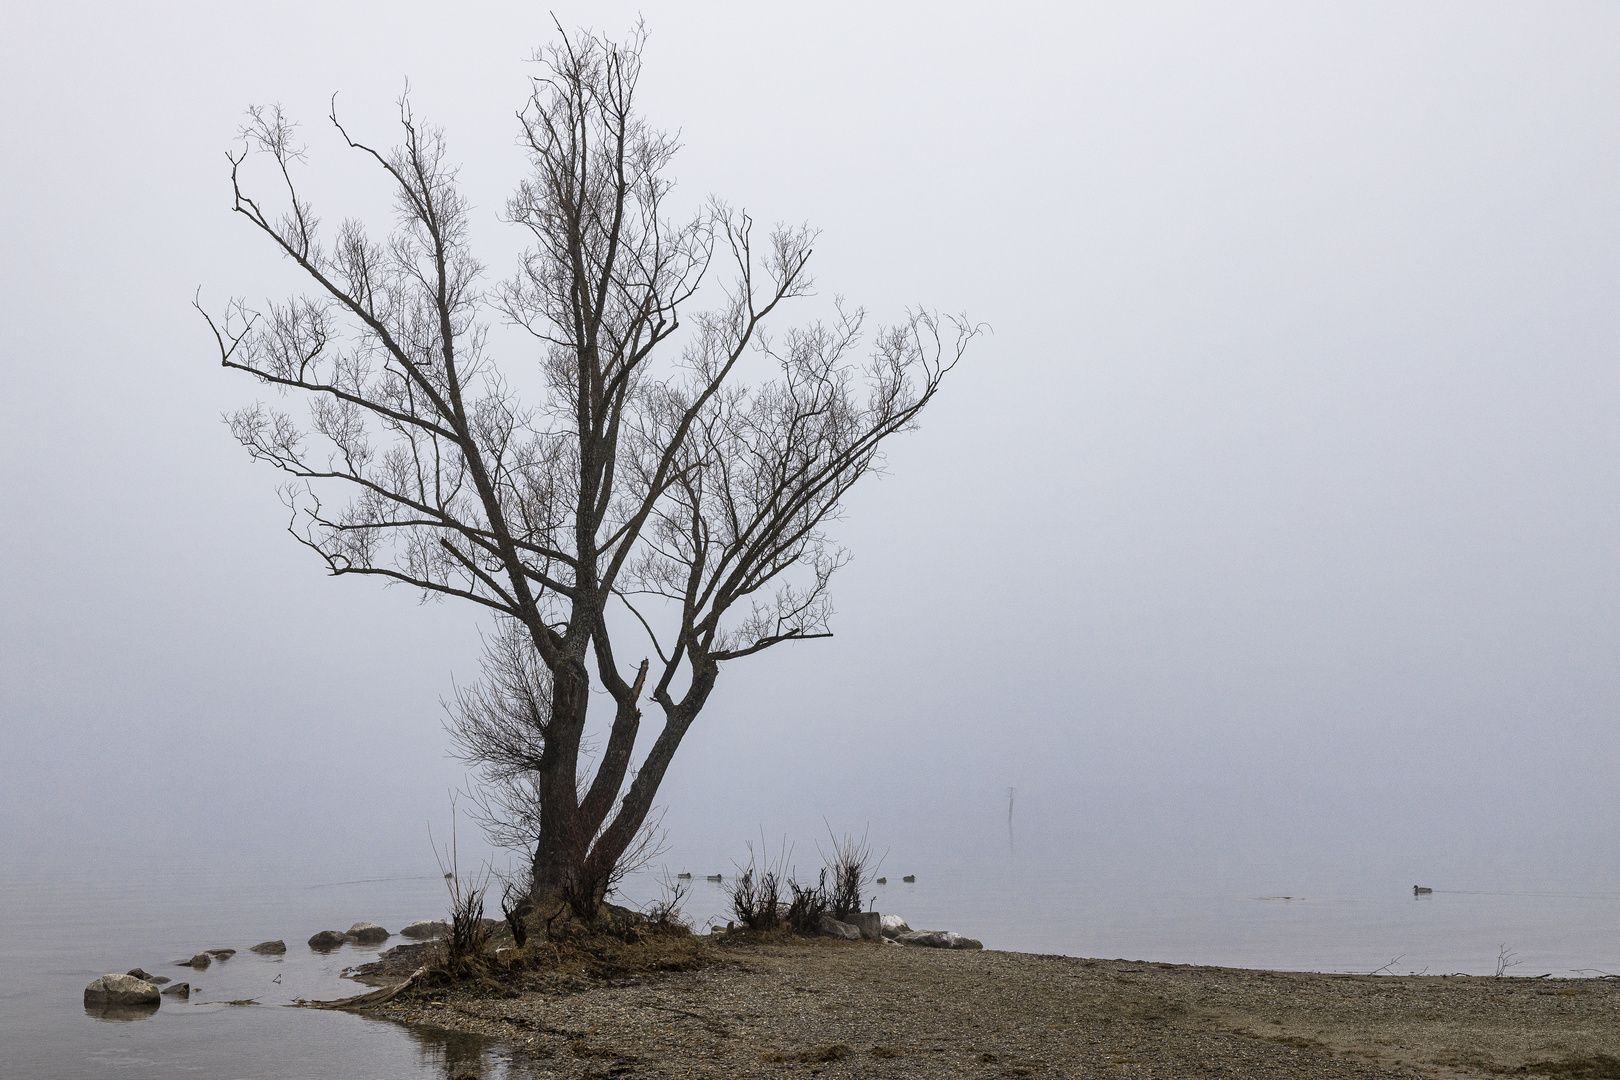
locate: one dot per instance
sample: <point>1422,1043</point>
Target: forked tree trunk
<point>607,853</point>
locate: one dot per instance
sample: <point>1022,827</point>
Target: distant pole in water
<point>1011,792</point>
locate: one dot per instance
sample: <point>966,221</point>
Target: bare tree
<point>652,487</point>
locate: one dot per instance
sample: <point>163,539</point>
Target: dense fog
<point>1272,530</point>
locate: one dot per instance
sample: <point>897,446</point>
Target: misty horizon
<point>1272,527</point>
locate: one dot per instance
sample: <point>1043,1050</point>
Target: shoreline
<point>846,1009</point>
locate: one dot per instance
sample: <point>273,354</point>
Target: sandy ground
<point>839,1009</point>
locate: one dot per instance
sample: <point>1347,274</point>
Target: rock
<point>367,933</point>
<point>869,923</point>
<point>426,928</point>
<point>882,881</point>
<point>277,946</point>
<point>894,926</point>
<point>200,961</point>
<point>912,878</point>
<point>326,940</point>
<point>406,952</point>
<point>831,927</point>
<point>623,917</point>
<point>137,973</point>
<point>221,954</point>
<point>158,979</point>
<point>938,939</point>
<point>179,990</point>
<point>115,990</point>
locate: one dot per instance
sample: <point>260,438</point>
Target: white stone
<point>938,939</point>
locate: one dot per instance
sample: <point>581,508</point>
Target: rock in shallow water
<point>426,928</point>
<point>200,961</point>
<point>179,990</point>
<point>221,954</point>
<point>139,973</point>
<point>114,990</point>
<point>938,939</point>
<point>367,933</point>
<point>326,940</point>
<point>277,946</point>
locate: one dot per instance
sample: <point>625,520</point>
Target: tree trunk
<point>638,801</point>
<point>560,848</point>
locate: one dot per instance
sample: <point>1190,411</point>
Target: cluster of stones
<point>892,930</point>
<point>369,933</point>
<point>139,990</point>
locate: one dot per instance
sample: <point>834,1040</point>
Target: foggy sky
<point>1276,518</point>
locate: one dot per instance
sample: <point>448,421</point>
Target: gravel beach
<point>841,1009</point>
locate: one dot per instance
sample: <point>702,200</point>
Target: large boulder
<point>367,933</point>
<point>112,991</point>
<point>869,923</point>
<point>426,928</point>
<point>277,946</point>
<point>894,926</point>
<point>938,939</point>
<point>831,927</point>
<point>326,940</point>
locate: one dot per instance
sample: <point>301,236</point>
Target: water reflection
<point>455,1053</point>
<point>120,1014</point>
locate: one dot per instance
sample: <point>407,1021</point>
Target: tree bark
<point>558,849</point>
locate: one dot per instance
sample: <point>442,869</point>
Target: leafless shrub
<point>516,906</point>
<point>853,868</point>
<point>469,935</point>
<point>1504,960</point>
<point>757,903</point>
<point>664,914</point>
<point>809,904</point>
<point>497,726</point>
<point>756,893</point>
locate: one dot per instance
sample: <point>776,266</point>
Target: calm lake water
<point>63,930</point>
